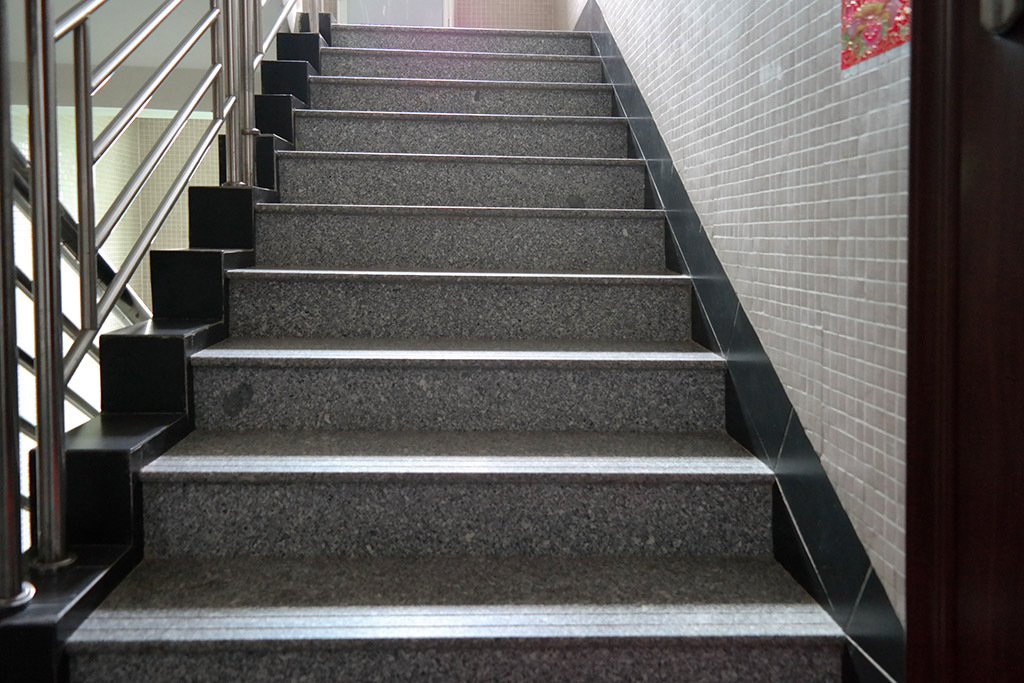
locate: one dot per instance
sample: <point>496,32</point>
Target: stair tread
<point>697,456</point>
<point>276,351</point>
<point>461,30</point>
<point>464,158</point>
<point>544,445</point>
<point>482,211</point>
<point>331,599</point>
<point>254,273</point>
<point>497,56</point>
<point>458,117</point>
<point>462,82</point>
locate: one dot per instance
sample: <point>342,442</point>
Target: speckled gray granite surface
<point>478,97</point>
<point>486,660</point>
<point>493,445</point>
<point>463,40</point>
<point>598,137</point>
<point>484,66</point>
<point>439,180</point>
<point>407,515</point>
<point>304,303</point>
<point>471,619</point>
<point>454,239</point>
<point>238,583</point>
<point>402,390</point>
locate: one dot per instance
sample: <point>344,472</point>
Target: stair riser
<point>533,44</point>
<point>428,517</point>
<point>656,660</point>
<point>461,67</point>
<point>443,182</point>
<point>456,98</point>
<point>454,242</point>
<point>455,397</point>
<point>503,138</point>
<point>458,308</point>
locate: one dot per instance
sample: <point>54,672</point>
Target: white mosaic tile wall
<point>174,233</point>
<point>536,14</point>
<point>799,172</point>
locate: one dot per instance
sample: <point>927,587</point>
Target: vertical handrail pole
<point>86,196</point>
<point>49,514</point>
<point>13,592</point>
<point>247,103</point>
<point>233,67</point>
<point>219,93</point>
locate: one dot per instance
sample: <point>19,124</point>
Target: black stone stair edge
<point>814,538</point>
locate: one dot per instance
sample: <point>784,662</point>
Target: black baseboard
<point>813,537</point>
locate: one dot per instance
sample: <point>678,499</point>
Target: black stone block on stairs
<point>275,115</point>
<point>301,46</point>
<point>144,368</point>
<point>189,284</point>
<point>287,78</point>
<point>224,217</point>
<point>323,24</point>
<point>104,457</point>
<point>266,150</point>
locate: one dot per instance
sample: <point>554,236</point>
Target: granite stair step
<point>317,505</point>
<point>543,449</point>
<point>461,180</point>
<point>472,385</point>
<point>478,134</point>
<point>461,96</point>
<point>267,302</point>
<point>477,66</point>
<point>459,239</point>
<point>462,39</point>
<point>702,620</point>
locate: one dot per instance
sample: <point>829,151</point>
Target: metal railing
<point>238,45</point>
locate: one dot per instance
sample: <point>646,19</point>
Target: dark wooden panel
<point>965,523</point>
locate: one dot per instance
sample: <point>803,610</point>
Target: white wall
<point>527,14</point>
<point>799,173</point>
<point>396,12</point>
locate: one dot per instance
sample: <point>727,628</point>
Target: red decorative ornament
<point>870,27</point>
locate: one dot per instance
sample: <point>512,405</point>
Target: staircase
<point>459,431</point>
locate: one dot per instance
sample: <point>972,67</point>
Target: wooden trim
<point>931,346</point>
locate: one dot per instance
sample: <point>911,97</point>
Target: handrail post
<point>13,591</point>
<point>86,197</point>
<point>49,513</point>
<point>233,66</point>
<point>247,103</point>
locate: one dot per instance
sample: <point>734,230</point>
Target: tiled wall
<point>112,173</point>
<point>798,171</point>
<point>537,14</point>
<point>174,233</point>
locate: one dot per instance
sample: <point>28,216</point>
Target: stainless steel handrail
<point>123,51</point>
<point>237,47</point>
<point>68,21</point>
<point>49,524</point>
<point>156,154</point>
<point>130,306</point>
<point>269,40</point>
<point>13,591</point>
<point>135,105</point>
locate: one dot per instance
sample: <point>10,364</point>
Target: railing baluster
<point>234,161</point>
<point>86,197</point>
<point>237,46</point>
<point>49,523</point>
<point>13,592</point>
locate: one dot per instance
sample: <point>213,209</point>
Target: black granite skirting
<point>813,536</point>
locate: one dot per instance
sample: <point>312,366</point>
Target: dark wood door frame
<point>965,422</point>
